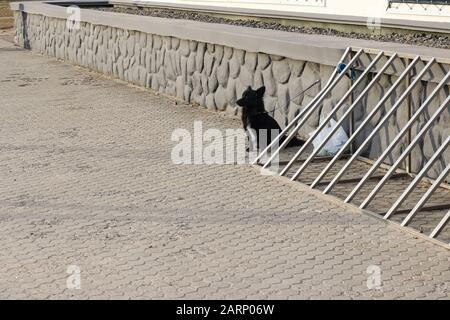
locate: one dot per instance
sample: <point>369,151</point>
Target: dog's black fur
<point>254,116</point>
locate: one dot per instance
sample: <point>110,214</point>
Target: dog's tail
<point>295,142</point>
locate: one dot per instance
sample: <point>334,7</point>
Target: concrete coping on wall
<point>320,49</point>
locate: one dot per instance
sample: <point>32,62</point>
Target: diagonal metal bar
<point>313,108</point>
<point>400,135</point>
<point>379,126</point>
<point>300,115</point>
<point>332,112</point>
<point>317,159</point>
<point>418,178</point>
<point>366,120</point>
<point>440,225</point>
<point>409,148</point>
<point>426,196</point>
<point>444,206</point>
<point>349,180</point>
<point>334,129</point>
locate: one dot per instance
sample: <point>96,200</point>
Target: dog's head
<point>252,99</point>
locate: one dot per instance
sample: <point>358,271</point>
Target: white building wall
<point>365,8</point>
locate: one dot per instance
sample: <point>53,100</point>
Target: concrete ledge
<point>321,49</point>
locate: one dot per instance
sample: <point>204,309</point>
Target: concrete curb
<point>354,209</point>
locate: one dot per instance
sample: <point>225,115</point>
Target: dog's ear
<point>261,91</point>
<point>240,102</point>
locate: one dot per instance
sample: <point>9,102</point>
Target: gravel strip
<point>428,40</point>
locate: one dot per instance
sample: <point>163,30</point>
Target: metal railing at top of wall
<point>413,73</point>
<point>437,2</point>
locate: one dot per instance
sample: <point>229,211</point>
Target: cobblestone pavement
<point>86,180</point>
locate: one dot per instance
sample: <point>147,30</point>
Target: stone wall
<point>214,76</point>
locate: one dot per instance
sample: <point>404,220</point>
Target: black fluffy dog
<point>256,120</point>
